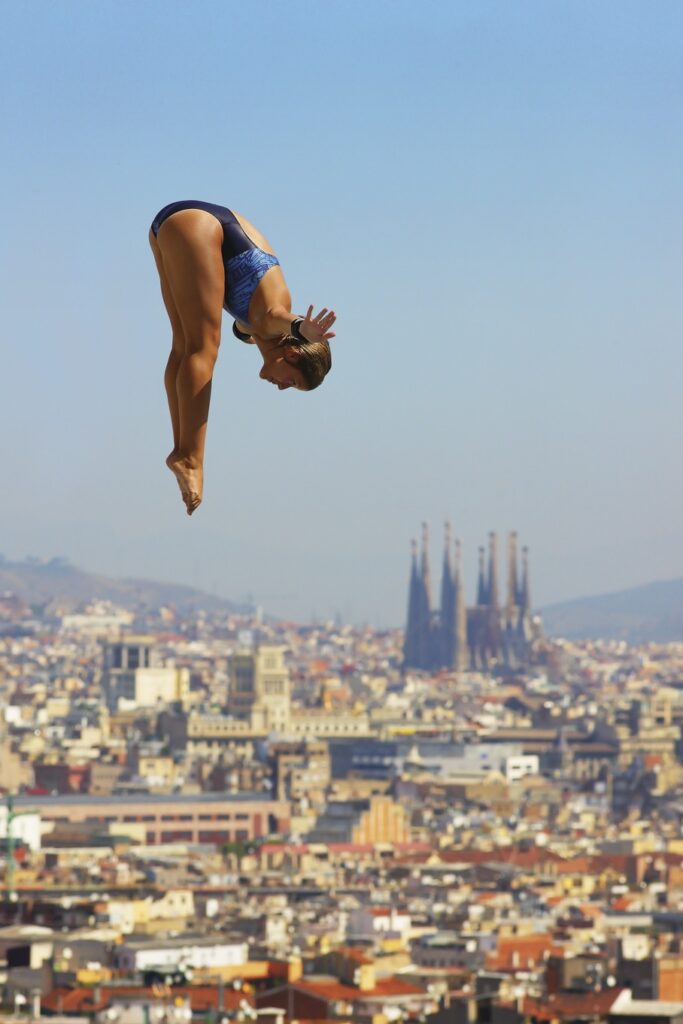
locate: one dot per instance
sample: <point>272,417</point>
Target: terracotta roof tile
<point>571,1005</point>
<point>521,951</point>
<point>82,1000</point>
<point>332,990</point>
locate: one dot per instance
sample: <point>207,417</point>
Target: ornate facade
<point>461,638</point>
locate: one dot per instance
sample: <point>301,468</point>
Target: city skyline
<point>171,771</point>
<point>214,805</point>
<point>280,762</point>
<point>649,613</point>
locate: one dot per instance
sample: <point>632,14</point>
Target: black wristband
<point>238,333</point>
<point>295,329</point>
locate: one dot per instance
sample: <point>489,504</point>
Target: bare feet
<point>190,476</point>
<point>170,462</point>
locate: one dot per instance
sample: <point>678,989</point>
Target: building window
<point>218,836</point>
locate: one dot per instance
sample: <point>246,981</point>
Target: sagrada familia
<point>460,638</point>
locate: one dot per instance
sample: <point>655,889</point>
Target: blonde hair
<point>313,358</point>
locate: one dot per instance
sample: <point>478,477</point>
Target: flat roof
<point>647,1008</point>
<point>124,800</point>
<point>179,941</point>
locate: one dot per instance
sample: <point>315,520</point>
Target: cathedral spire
<point>525,596</point>
<point>425,605</point>
<point>411,641</point>
<point>447,594</point>
<point>460,651</point>
<point>481,582</point>
<point>448,540</point>
<point>512,582</point>
<point>493,571</point>
<point>447,574</point>
<point>425,570</point>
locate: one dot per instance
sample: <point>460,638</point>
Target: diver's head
<point>298,364</point>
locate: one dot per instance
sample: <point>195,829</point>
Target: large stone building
<point>258,705</point>
<point>133,678</point>
<point>259,698</point>
<point>461,638</point>
<point>166,818</point>
<point>259,688</point>
<point>377,819</point>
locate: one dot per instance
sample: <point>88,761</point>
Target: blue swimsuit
<point>245,264</point>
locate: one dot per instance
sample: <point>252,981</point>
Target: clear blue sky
<point>490,196</point>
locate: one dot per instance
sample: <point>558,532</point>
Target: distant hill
<point>41,582</point>
<point>653,612</point>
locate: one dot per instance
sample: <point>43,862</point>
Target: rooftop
<point>85,799</point>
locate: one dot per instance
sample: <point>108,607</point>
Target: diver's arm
<point>278,321</point>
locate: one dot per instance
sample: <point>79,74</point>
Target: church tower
<point>487,635</point>
<point>411,643</point>
<point>512,602</point>
<point>524,625</point>
<point>482,597</point>
<point>492,589</point>
<point>425,651</point>
<point>447,630</point>
<point>460,660</point>
<point>525,595</point>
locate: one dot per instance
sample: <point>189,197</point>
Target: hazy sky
<point>490,196</point>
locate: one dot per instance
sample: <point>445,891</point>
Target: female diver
<point>209,259</point>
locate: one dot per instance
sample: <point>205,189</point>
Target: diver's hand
<point>318,328</point>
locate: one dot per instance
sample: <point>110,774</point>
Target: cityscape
<point>220,816</point>
<point>341,574</point>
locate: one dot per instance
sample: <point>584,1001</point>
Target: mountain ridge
<point>41,581</point>
<point>651,612</point>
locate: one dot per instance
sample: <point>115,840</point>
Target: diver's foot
<point>190,476</point>
<point>171,461</point>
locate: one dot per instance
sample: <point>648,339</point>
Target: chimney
<point>367,981</point>
<point>295,969</point>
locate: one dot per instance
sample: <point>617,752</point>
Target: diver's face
<point>279,370</point>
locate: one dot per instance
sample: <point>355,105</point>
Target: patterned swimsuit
<point>245,264</point>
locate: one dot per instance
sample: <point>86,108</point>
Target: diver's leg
<point>190,243</point>
<point>177,346</point>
